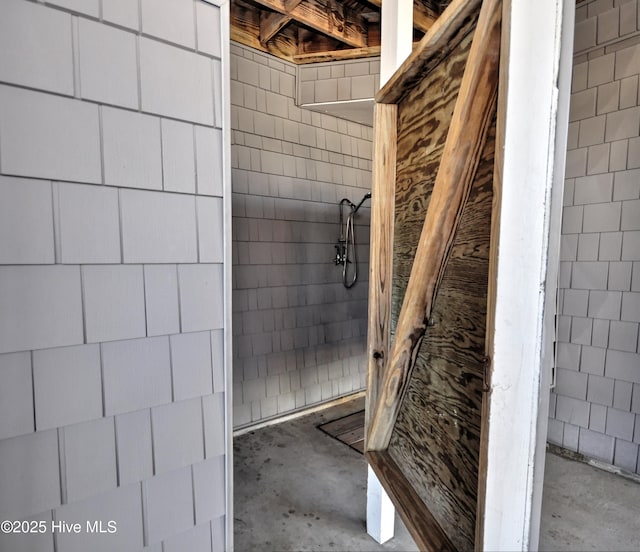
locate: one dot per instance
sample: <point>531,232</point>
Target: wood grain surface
<point>436,439</point>
<point>424,528</point>
<point>423,122</point>
<point>381,252</point>
<point>429,458</point>
<point>473,112</point>
<point>457,20</point>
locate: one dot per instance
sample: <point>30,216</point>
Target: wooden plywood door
<point>429,281</point>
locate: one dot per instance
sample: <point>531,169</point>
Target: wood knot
<point>378,355</point>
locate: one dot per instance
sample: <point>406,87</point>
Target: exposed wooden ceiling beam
<point>337,55</point>
<point>245,28</point>
<point>308,31</point>
<point>330,19</point>
<point>423,18</point>
<point>290,4</point>
<point>281,46</point>
<point>310,41</point>
<point>271,23</point>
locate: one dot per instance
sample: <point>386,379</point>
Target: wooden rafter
<point>271,23</point>
<point>423,19</point>
<point>309,42</point>
<point>336,55</point>
<point>310,31</point>
<point>472,114</point>
<point>245,28</point>
<point>328,17</point>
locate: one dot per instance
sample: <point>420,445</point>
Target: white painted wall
<point>115,267</point>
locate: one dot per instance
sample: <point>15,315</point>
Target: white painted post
<point>555,224</point>
<point>397,36</point>
<point>380,510</point>
<point>225,48</point>
<point>397,42</point>
<point>530,124</point>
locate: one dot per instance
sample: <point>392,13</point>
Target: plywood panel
<point>471,119</point>
<point>423,123</point>
<point>440,457</point>
<point>470,122</point>
<point>436,440</point>
<point>424,441</point>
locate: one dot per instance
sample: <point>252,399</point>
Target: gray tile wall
<point>299,335</point>
<point>595,406</point>
<point>338,81</point>
<point>112,403</point>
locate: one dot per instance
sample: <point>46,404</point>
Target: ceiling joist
<point>309,31</point>
<point>423,17</point>
<point>245,29</point>
<point>271,23</point>
<point>336,55</point>
<point>328,17</point>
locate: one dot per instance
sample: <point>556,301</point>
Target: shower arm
<point>366,196</point>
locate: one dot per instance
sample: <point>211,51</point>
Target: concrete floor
<point>585,508</point>
<point>297,489</point>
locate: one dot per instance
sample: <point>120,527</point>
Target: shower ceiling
<point>308,31</point>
